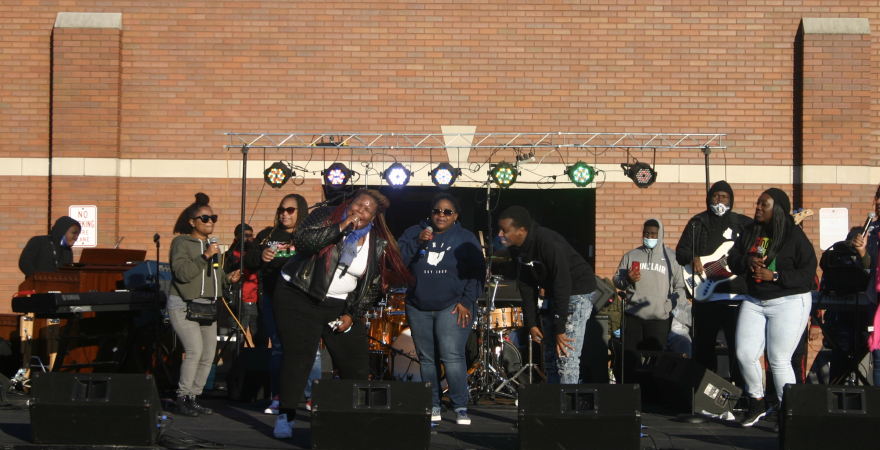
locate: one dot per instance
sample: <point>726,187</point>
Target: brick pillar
<point>86,72</point>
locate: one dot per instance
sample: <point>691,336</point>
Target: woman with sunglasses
<point>342,254</point>
<point>275,248</point>
<point>448,267</point>
<point>195,280</point>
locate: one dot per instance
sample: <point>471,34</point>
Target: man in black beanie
<point>704,234</point>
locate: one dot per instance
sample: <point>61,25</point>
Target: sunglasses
<point>289,210</point>
<point>447,212</point>
<point>205,218</point>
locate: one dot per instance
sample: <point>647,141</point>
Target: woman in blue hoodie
<point>449,270</point>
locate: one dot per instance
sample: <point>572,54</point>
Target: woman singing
<point>780,265</point>
<point>275,246</point>
<point>449,269</point>
<point>335,275</point>
<point>195,281</point>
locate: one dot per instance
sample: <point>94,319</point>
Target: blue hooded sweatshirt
<point>452,271</point>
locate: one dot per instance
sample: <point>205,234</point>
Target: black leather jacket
<point>307,272</point>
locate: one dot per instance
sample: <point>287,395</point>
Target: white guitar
<point>701,286</point>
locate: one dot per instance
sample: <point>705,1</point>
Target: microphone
<point>867,222</point>
<point>215,262</point>
<point>424,250</point>
<point>155,238</point>
<point>120,241</point>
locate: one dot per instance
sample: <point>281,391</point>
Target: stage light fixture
<point>580,174</point>
<point>444,175</point>
<point>397,175</point>
<point>641,173</point>
<point>336,176</point>
<point>503,174</point>
<point>277,174</point>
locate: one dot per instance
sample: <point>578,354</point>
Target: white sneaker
<point>283,428</point>
<point>461,418</point>
<point>273,408</point>
<point>309,405</point>
<point>435,414</point>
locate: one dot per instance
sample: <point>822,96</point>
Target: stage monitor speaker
<point>368,415</point>
<point>94,409</point>
<point>816,416</point>
<point>675,376</point>
<point>643,374</point>
<point>248,379</point>
<point>594,416</point>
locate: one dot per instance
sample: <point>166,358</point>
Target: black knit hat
<point>719,186</point>
<point>780,198</point>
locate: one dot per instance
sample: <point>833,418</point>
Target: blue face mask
<point>650,243</point>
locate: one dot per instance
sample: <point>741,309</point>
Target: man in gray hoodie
<point>654,283</point>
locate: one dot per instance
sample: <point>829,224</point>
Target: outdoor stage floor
<point>244,426</point>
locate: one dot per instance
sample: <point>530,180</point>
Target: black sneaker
<point>194,401</point>
<point>185,407</point>
<point>756,411</point>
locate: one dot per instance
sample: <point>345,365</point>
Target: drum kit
<point>496,366</point>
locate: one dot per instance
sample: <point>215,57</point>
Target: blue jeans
<point>566,369</point>
<point>439,339</point>
<point>314,375</point>
<point>778,325</point>
<point>272,331</point>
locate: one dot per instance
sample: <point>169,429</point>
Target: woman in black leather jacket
<point>335,276</point>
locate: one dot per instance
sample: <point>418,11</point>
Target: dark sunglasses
<point>447,212</point>
<point>289,210</point>
<point>205,218</point>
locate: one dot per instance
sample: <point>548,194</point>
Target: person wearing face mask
<point>49,252</point>
<point>654,284</point>
<point>702,236</point>
<point>342,257</point>
<point>779,264</point>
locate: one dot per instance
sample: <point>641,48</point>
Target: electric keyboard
<point>76,302</point>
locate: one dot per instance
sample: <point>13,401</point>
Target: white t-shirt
<point>343,284</point>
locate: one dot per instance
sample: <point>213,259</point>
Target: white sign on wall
<point>87,216</point>
<point>833,226</point>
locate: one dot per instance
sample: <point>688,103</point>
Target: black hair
<point>237,231</point>
<point>779,229</point>
<point>446,196</point>
<point>519,217</point>
<point>651,223</point>
<point>302,210</point>
<point>182,226</point>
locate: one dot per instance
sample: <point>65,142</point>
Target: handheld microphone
<point>424,250</point>
<point>867,222</point>
<point>215,262</point>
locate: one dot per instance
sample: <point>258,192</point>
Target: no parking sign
<point>87,216</point>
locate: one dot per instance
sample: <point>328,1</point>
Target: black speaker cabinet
<point>367,415</point>
<point>594,416</point>
<point>248,379</point>
<point>817,416</point>
<point>675,376</point>
<point>643,374</point>
<point>94,409</point>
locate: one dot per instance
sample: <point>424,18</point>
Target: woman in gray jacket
<point>195,280</point>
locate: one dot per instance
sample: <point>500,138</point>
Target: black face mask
<point>249,245</point>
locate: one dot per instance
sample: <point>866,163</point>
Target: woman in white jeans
<point>779,264</point>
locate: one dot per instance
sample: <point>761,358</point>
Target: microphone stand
<point>240,299</point>
<point>694,418</point>
<point>157,330</point>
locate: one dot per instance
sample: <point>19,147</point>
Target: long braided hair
<point>391,259</point>
<point>778,230</point>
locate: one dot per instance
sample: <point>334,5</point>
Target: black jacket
<point>699,225</point>
<point>548,261</point>
<point>269,271</point>
<point>307,272</point>
<point>45,253</point>
<point>796,265</point>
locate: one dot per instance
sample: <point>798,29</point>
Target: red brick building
<point>125,106</point>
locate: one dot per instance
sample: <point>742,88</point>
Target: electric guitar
<point>701,286</point>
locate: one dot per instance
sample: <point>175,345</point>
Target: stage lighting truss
<point>277,174</point>
<point>336,176</point>
<point>397,176</point>
<point>503,174</point>
<point>580,174</point>
<point>444,175</point>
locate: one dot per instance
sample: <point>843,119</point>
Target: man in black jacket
<point>547,261</point>
<point>48,252</point>
<point>704,234</point>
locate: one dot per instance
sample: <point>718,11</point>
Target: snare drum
<point>505,318</point>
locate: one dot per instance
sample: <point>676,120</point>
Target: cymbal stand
<point>490,373</point>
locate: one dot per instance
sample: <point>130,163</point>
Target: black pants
<point>302,323</point>
<point>709,318</point>
<point>641,334</point>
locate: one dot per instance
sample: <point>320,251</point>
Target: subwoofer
<point>817,416</point>
<point>676,377</point>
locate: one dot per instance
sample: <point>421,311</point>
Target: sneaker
<point>756,411</point>
<point>273,408</point>
<point>185,408</point>
<point>283,428</point>
<point>194,401</point>
<point>435,414</point>
<point>462,418</point>
<point>308,405</point>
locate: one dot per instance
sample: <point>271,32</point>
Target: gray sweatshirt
<point>651,298</point>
